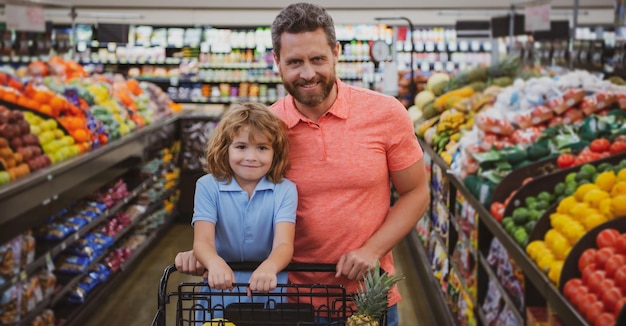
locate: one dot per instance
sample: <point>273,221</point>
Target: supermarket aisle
<point>134,303</point>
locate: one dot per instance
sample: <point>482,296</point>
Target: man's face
<point>307,66</point>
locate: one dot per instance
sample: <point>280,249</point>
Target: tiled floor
<point>134,303</point>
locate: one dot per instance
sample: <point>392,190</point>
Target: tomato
<point>620,304</point>
<point>570,287</point>
<point>587,271</point>
<point>603,255</point>
<point>607,237</point>
<point>605,319</point>
<point>585,302</point>
<point>614,263</point>
<point>600,145</point>
<point>620,277</point>
<point>620,244</point>
<point>593,311</point>
<point>497,210</point>
<point>617,147</point>
<point>587,257</point>
<point>595,281</point>
<point>610,298</point>
<point>565,160</point>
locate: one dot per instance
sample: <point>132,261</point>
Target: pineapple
<point>371,299</point>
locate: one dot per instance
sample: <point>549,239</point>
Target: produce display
<point>543,152</point>
<point>51,111</point>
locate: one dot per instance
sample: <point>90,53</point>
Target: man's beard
<point>309,99</point>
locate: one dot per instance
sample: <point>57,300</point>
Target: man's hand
<point>187,263</point>
<point>355,264</point>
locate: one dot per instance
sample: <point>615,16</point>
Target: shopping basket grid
<point>289,304</point>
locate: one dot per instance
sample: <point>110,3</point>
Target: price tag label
<point>49,263</point>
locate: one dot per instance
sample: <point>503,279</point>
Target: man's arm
<point>414,197</point>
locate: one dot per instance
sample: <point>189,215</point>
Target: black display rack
<point>539,291</point>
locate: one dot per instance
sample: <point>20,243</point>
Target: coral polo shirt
<point>340,165</point>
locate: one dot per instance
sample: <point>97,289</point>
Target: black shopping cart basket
<point>289,304</point>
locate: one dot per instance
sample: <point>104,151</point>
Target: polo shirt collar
<point>264,184</point>
<point>338,109</point>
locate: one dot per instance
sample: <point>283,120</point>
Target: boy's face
<point>307,66</point>
<point>250,156</point>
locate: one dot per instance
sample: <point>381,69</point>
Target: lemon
<point>579,211</point>
<point>555,271</point>
<point>566,204</point>
<point>560,246</point>
<point>594,220</point>
<point>594,196</point>
<point>544,261</point>
<point>606,180</point>
<point>582,190</point>
<point>619,188</point>
<point>219,321</point>
<point>573,231</point>
<point>605,208</point>
<point>557,220</point>
<point>621,175</point>
<point>618,205</point>
<point>532,249</point>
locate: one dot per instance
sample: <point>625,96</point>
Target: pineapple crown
<point>371,299</point>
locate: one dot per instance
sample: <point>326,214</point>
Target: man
<point>346,144</point>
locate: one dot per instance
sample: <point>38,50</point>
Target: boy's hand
<point>187,263</point>
<point>263,279</point>
<point>220,276</point>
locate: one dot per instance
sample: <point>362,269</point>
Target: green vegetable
<point>513,155</point>
<point>544,196</point>
<point>521,215</point>
<point>530,226</point>
<point>559,189</point>
<point>537,151</point>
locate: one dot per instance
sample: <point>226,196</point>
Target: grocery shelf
<point>507,297</point>
<point>58,247</point>
<point>534,277</point>
<point>43,187</point>
<point>432,290</point>
<point>95,297</point>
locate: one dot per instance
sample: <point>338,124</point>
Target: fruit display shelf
<point>45,190</point>
<point>489,228</point>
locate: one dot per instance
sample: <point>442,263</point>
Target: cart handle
<point>239,266</point>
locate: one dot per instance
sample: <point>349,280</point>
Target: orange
<point>57,103</point>
<point>80,135</point>
<point>10,97</point>
<point>41,97</point>
<point>46,109</point>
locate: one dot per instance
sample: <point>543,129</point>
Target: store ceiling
<point>331,4</point>
<point>261,13</point>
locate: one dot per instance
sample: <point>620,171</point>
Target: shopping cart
<point>290,304</point>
